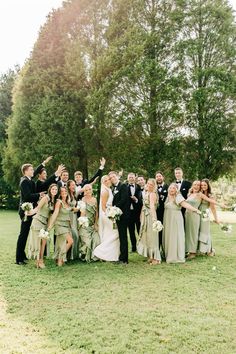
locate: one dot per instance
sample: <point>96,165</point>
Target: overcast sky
<point>20,21</point>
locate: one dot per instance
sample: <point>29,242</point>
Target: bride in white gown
<point>109,248</point>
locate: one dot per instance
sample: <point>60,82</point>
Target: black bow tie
<point>178,182</point>
<point>131,185</point>
<point>160,186</point>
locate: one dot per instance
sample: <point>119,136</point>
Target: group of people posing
<point>60,204</point>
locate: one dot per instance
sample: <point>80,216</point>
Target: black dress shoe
<point>21,263</point>
<point>122,263</point>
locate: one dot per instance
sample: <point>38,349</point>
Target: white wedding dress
<point>109,248</point>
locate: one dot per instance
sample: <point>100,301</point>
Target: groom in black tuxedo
<point>27,194</point>
<point>162,191</point>
<point>121,200</point>
<point>183,185</point>
<point>135,206</point>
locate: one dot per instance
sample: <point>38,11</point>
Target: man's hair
<point>78,173</point>
<point>178,169</point>
<point>159,173</point>
<point>25,167</point>
<point>131,173</point>
<point>42,170</point>
<point>112,172</point>
<point>64,171</point>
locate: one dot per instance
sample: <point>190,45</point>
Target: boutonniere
<point>115,191</point>
<point>183,189</point>
<point>164,191</point>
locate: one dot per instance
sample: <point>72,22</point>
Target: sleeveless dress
<point>88,237</point>
<point>173,231</point>
<point>205,233</point>
<point>74,229</point>
<point>109,249</point>
<point>40,221</point>
<point>62,228</point>
<point>192,226</point>
<point>148,243</point>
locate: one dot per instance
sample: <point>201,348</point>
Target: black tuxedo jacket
<point>162,195</point>
<point>88,181</point>
<point>121,199</point>
<point>60,184</point>
<point>28,190</point>
<point>185,186</point>
<point>43,186</point>
<point>138,194</point>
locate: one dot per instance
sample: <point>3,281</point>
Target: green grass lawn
<point>107,308</point>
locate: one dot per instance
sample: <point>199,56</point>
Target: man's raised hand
<point>102,162</point>
<point>59,170</point>
<point>47,160</point>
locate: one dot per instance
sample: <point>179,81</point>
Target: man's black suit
<point>134,213</point>
<point>162,192</point>
<point>121,200</point>
<point>27,194</point>
<point>88,181</point>
<point>42,186</point>
<point>184,188</point>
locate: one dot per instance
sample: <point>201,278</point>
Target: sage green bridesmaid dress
<point>40,221</point>
<point>192,226</point>
<point>148,243</point>
<point>205,232</point>
<point>173,231</point>
<point>88,237</point>
<point>62,228</point>
<point>74,252</point>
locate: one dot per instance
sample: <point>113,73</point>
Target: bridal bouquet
<point>114,214</point>
<point>26,207</point>
<point>233,208</point>
<point>44,234</point>
<point>226,228</point>
<point>83,221</point>
<point>206,215</point>
<point>157,226</point>
<point>81,205</point>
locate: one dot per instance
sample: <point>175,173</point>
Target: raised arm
<point>211,200</point>
<point>99,171</point>
<point>39,206</point>
<point>42,165</point>
<point>54,215</point>
<point>213,209</point>
<point>188,206</point>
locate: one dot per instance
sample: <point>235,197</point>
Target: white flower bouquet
<point>233,208</point>
<point>26,207</point>
<point>157,226</point>
<point>44,234</point>
<point>206,215</point>
<point>226,228</point>
<point>83,221</point>
<point>81,205</point>
<point>114,213</point>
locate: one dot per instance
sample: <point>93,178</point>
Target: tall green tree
<point>150,84</point>
<point>206,52</point>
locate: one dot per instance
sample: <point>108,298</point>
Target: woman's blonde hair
<point>103,177</point>
<point>173,185</point>
<point>153,181</point>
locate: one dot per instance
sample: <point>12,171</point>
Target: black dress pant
<point>134,221</point>
<point>122,229</point>
<point>22,239</point>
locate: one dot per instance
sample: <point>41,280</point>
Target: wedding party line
<point>164,222</point>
